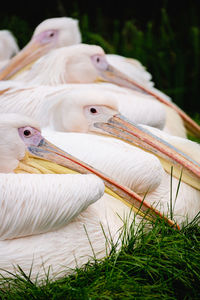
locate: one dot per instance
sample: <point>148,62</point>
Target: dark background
<point>183,12</point>
<point>163,35</point>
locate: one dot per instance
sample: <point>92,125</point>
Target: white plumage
<point>40,226</point>
<point>119,160</point>
<point>44,215</point>
<point>135,168</point>
<point>69,246</point>
<point>79,110</point>
<point>8,47</point>
<point>50,34</point>
<point>50,101</point>
<point>73,64</point>
<point>136,71</point>
<point>34,203</point>
<point>59,251</point>
<point>69,32</point>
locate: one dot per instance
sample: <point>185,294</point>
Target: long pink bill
<point>122,128</point>
<point>50,152</point>
<point>111,74</point>
<point>30,53</point>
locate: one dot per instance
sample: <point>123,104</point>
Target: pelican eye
<point>30,135</point>
<point>47,36</point>
<point>27,132</point>
<point>100,62</point>
<point>93,110</point>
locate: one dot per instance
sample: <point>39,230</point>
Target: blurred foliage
<point>171,55</point>
<point>171,58</point>
<point>19,27</point>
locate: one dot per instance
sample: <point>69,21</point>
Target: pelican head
<point>80,63</point>
<point>58,32</point>
<point>95,114</point>
<point>50,34</point>
<point>12,147</point>
<point>72,64</point>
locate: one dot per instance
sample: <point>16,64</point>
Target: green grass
<point>197,120</point>
<point>160,264</point>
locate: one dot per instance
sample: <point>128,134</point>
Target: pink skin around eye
<point>47,36</point>
<point>30,140</point>
<point>100,62</point>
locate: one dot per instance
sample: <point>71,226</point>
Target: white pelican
<point>30,100</point>
<point>74,112</point>
<point>93,115</point>
<point>86,64</point>
<point>8,47</point>
<point>38,211</point>
<point>78,113</point>
<point>51,33</point>
<point>135,168</point>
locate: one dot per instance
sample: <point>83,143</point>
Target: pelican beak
<point>47,158</point>
<point>30,53</point>
<point>183,166</point>
<point>113,75</point>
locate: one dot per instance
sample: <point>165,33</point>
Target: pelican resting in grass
<point>93,114</point>
<point>52,223</point>
<point>135,168</point>
<point>174,151</point>
<point>87,64</point>
<point>8,47</point>
<point>30,100</point>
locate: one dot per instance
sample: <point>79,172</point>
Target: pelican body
<point>86,64</point>
<point>33,100</point>
<point>135,168</point>
<point>50,221</point>
<point>81,111</point>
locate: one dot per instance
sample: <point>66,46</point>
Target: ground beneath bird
<point>161,264</point>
